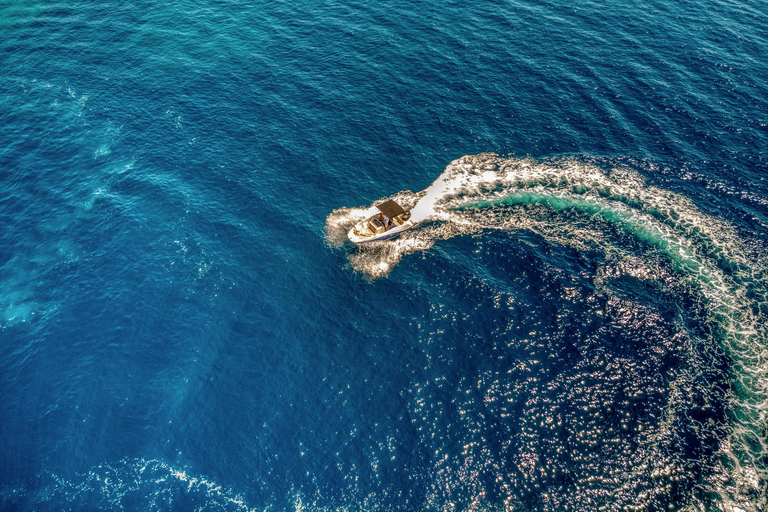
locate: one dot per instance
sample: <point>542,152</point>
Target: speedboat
<point>388,223</point>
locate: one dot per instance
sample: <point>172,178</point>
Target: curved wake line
<point>130,484</point>
<point>484,192</point>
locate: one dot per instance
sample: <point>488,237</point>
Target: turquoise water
<point>577,322</point>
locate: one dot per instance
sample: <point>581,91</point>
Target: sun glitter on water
<point>487,192</point>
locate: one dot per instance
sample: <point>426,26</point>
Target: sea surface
<point>578,321</point>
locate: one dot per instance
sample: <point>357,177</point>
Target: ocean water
<point>578,321</point>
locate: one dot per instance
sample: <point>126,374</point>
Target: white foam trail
<point>425,208</point>
<point>135,484</point>
<point>482,192</point>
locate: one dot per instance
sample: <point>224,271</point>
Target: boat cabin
<point>392,215</point>
<point>389,223</point>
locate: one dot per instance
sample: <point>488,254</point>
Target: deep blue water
<point>579,322</point>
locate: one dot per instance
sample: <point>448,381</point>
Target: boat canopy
<point>390,208</point>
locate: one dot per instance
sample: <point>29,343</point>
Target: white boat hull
<point>356,235</point>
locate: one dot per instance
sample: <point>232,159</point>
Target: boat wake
<point>129,484</point>
<point>581,203</point>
